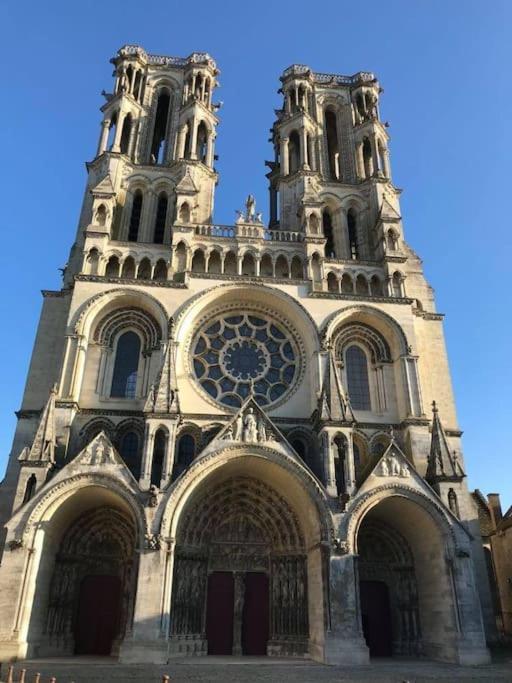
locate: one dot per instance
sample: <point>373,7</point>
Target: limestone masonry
<point>240,439</point>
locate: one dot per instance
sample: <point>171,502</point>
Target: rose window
<point>237,353</point>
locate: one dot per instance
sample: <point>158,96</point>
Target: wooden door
<point>219,613</point>
<point>376,616</point>
<point>99,609</point>
<point>255,617</point>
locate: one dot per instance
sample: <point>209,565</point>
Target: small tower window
<point>328,234</point>
<point>158,146</point>
<point>367,158</point>
<point>133,229</point>
<point>294,152</point>
<point>186,451</point>
<point>161,214</point>
<point>357,378</point>
<point>157,464</point>
<point>126,134</point>
<point>397,285</point>
<point>333,150</point>
<point>124,380</point>
<point>30,488</point>
<point>129,450</point>
<point>112,132</point>
<point>202,142</point>
<point>352,234</point>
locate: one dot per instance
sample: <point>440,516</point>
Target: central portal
<point>237,613</point>
<point>240,576</point>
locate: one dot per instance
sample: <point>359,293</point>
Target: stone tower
<point>225,441</point>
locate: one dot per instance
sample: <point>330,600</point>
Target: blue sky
<point>445,68</point>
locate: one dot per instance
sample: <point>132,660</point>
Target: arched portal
<point>247,576</point>
<point>406,591</point>
<point>241,552</point>
<point>85,585</point>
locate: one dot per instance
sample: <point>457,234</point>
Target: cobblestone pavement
<point>254,670</point>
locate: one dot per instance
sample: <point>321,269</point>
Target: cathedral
<point>240,439</point>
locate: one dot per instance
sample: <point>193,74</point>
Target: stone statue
<point>239,428</point>
<point>229,433</point>
<point>262,431</point>
<point>250,426</point>
<point>250,206</point>
<point>384,468</point>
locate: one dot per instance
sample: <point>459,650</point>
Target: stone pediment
<point>392,466</point>
<point>388,212</point>
<point>99,451</point>
<point>104,188</point>
<point>251,426</point>
<point>186,185</point>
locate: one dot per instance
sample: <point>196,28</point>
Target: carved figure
<point>262,431</point>
<point>239,426</point>
<point>250,206</point>
<point>384,469</point>
<point>250,426</point>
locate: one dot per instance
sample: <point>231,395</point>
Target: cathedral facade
<point>240,439</point>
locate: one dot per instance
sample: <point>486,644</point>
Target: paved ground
<point>254,670</point>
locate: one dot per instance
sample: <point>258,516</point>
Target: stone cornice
<point>54,293</point>
<point>361,297</point>
<point>170,284</point>
<point>428,316</point>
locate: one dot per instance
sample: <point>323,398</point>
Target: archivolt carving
<point>78,483</point>
<point>110,295</point>
<point>366,335</point>
<point>203,465</point>
<point>118,319</point>
<point>357,511</point>
<point>337,320</point>
<point>241,510</point>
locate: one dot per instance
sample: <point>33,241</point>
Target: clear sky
<point>445,67</point>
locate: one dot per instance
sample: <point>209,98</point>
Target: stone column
<point>238,612</point>
<point>119,128</point>
<point>193,139</point>
<point>375,154</point>
<point>105,128</point>
<point>412,387</point>
<point>146,643</point>
<point>285,167</point>
<point>344,642</point>
<point>182,134</point>
<point>360,160</point>
<point>311,154</point>
<point>209,150</point>
<point>304,148</point>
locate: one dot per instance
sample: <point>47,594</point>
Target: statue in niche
<point>262,431</point>
<point>250,426</point>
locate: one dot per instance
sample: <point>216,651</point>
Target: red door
<point>99,609</point>
<point>376,617</point>
<point>219,613</point>
<point>255,620</point>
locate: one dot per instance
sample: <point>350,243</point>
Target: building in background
<point>496,530</point>
<point>226,442</point>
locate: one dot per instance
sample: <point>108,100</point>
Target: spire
<point>163,394</point>
<point>43,446</point>
<point>333,403</point>
<point>442,465</point>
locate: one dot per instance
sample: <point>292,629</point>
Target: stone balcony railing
<point>247,231</point>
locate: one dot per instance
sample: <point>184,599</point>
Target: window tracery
<point>237,353</point>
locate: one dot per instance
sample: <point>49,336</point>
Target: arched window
<point>367,158</point>
<point>230,264</point>
<point>158,146</point>
<point>333,150</point>
<point>133,229</point>
<point>397,285</point>
<point>214,262</point>
<point>184,216</point>
<point>352,234</point>
<point>128,270</point>
<point>281,267</point>
<point>294,152</point>
<point>340,456</point>
<point>300,447</point>
<point>124,379</point>
<point>160,272</point>
<point>332,283</point>
<point>328,234</point>
<point>391,240</point>
<point>157,464</point>
<point>198,261</point>
<point>248,265</point>
<point>126,134</point>
<point>112,132</point>
<point>92,261</point>
<point>202,142</point>
<point>112,269</point>
<point>101,215</point>
<point>186,451</point>
<point>129,451</point>
<point>161,214</point>
<point>30,488</point>
<point>144,270</point>
<point>357,378</point>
